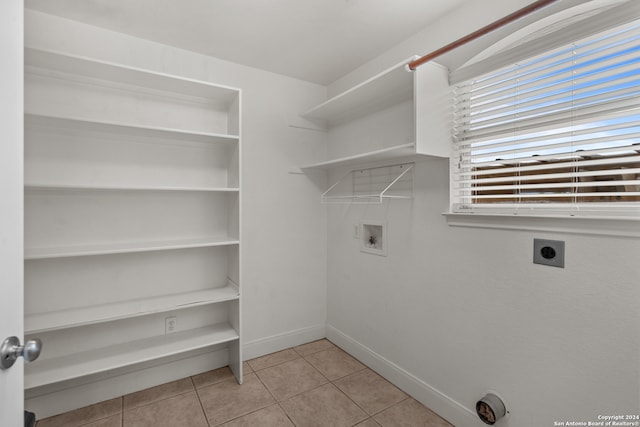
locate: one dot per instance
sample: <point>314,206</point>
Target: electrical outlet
<point>548,252</point>
<point>356,231</point>
<point>170,325</point>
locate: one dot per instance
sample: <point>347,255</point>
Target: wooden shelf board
<point>49,186</point>
<point>76,365</point>
<point>395,152</point>
<point>382,90</point>
<point>124,247</point>
<point>82,124</point>
<point>50,60</point>
<point>43,322</point>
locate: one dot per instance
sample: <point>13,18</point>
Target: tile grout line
<point>248,413</point>
<point>239,416</point>
<point>265,386</point>
<point>285,349</point>
<point>297,394</point>
<point>389,407</point>
<point>359,371</point>
<point>206,418</point>
<point>318,351</point>
<point>156,401</point>
<point>286,414</point>
<point>344,376</point>
<point>306,391</point>
<point>356,403</point>
<point>353,401</point>
<point>97,419</point>
<point>277,364</point>
<point>317,370</point>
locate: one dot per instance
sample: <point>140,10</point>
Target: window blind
<point>558,132</point>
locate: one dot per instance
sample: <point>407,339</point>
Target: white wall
<point>284,274</point>
<point>453,312</point>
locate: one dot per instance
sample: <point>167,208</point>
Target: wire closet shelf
<point>372,185</point>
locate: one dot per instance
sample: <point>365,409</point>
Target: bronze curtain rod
<point>481,32</point>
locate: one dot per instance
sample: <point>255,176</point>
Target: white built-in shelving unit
<point>132,216</point>
<point>395,117</point>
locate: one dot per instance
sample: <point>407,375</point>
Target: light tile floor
<point>312,385</point>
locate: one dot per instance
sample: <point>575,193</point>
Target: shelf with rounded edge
<point>95,361</point>
<point>80,124</point>
<point>104,187</point>
<point>81,316</point>
<point>125,247</point>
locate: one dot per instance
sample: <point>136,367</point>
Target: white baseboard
<point>443,405</point>
<point>262,346</point>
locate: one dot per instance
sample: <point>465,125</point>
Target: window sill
<point>591,225</point>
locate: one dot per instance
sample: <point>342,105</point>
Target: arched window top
<point>548,33</point>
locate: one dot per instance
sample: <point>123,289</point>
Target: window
<point>558,132</point>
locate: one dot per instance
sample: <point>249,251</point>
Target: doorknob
<point>11,350</point>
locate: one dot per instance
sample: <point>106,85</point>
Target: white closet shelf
<point>124,247</point>
<point>380,91</point>
<point>390,153</point>
<point>81,364</point>
<point>52,61</point>
<point>50,186</point>
<point>88,315</point>
<point>126,129</point>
